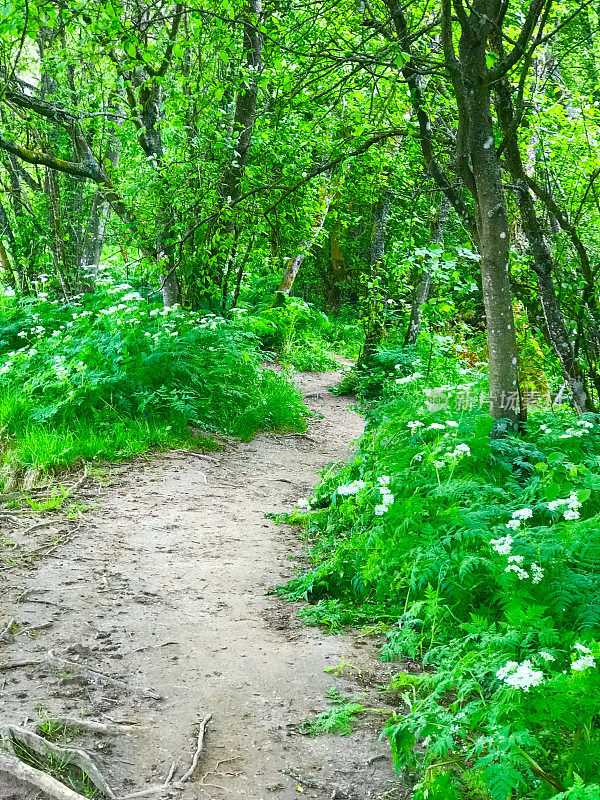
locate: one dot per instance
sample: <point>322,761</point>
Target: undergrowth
<point>479,556</point>
<point>106,376</point>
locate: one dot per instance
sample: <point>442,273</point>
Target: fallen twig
<point>5,666</point>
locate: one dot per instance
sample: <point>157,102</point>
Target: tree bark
<point>375,328</point>
<point>478,166</point>
<point>543,261</point>
<point>294,264</point>
<point>336,272</point>
<point>421,293</point>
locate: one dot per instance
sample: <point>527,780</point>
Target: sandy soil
<point>164,588</point>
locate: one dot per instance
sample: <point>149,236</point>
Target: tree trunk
<point>99,214</point>
<point>478,166</point>
<point>294,264</point>
<point>543,262</point>
<point>421,293</point>
<point>336,272</point>
<point>374,329</point>
<point>243,126</point>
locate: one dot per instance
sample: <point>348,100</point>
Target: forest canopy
<point>190,191</point>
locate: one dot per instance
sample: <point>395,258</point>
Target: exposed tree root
<point>11,764</point>
<point>43,748</point>
<point>199,746</point>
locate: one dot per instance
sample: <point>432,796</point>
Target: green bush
<point>106,376</point>
<point>481,557</point>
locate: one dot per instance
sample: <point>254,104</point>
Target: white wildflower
<point>380,510</point>
<point>435,426</point>
<point>513,524</point>
<point>523,513</point>
<point>537,573</point>
<point>546,655</point>
<point>582,648</point>
<point>383,480</point>
<point>521,573</point>
<point>413,425</point>
<point>503,545</point>
<point>583,662</point>
<point>520,676</point>
<point>351,488</point>
<point>451,423</point>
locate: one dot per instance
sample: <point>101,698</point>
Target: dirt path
<point>164,587</point>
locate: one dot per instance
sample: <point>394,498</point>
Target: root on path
<point>12,764</point>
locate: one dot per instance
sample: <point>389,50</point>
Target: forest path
<point>165,587</point>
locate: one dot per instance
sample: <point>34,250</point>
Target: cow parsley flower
<point>435,426</point>
<point>520,572</point>
<point>522,513</point>
<point>546,655</point>
<point>503,545</point>
<point>380,510</point>
<point>451,423</point>
<point>582,648</point>
<point>513,524</point>
<point>414,424</point>
<point>383,480</point>
<point>351,488</point>
<point>583,662</point>
<point>520,676</point>
<point>537,573</point>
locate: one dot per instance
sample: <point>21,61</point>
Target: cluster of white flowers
<point>303,503</point>
<point>351,488</point>
<point>520,676</point>
<point>514,565</point>
<point>459,451</point>
<point>503,545</point>
<point>6,367</point>
<point>408,378</point>
<point>577,433</point>
<point>537,573</point>
<point>414,424</point>
<point>584,660</point>
<point>546,656</point>
<point>59,367</point>
<point>436,426</point>
<point>569,506</point>
<point>583,423</point>
<point>518,516</point>
<point>9,292</point>
<point>451,423</point>
<point>387,498</point>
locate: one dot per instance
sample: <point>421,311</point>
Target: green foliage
<point>298,333</point>
<point>338,719</point>
<point>106,376</point>
<point>482,556</point>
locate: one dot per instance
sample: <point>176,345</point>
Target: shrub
<point>482,558</point>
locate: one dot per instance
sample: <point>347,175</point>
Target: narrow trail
<point>164,586</point>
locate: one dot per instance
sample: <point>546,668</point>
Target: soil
<point>164,587</point>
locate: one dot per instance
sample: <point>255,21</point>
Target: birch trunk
<point>421,293</point>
